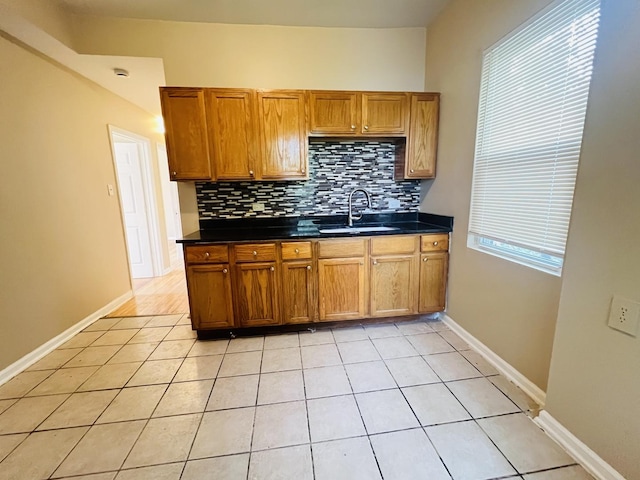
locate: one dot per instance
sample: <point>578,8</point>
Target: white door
<point>134,209</point>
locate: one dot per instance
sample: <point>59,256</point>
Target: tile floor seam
<point>255,414</point>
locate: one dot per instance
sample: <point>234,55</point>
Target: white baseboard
<point>30,358</point>
<point>586,457</point>
<point>500,364</point>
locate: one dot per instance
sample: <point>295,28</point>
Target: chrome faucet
<point>351,218</point>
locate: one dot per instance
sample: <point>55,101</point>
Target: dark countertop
<point>283,228</point>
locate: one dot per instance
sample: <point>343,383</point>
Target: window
<point>533,99</point>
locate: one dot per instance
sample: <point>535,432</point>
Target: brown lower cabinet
<point>258,284</point>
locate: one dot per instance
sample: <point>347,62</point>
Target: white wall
<point>594,383</point>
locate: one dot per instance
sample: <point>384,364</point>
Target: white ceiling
<point>318,13</point>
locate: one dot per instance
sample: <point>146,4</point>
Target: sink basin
<point>357,229</point>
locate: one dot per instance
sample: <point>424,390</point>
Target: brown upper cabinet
<point>334,113</point>
<point>185,123</point>
<point>422,141</point>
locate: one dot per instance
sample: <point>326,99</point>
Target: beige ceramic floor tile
<point>281,387</point>
<point>91,356</point>
<point>9,442</point>
<point>110,376</point>
<point>281,359</point>
<point>133,353</point>
<point>181,332</point>
<point>164,440</point>
<point>280,425</point>
<point>208,347</point>
<point>95,476</point>
<point>246,363</point>
<point>199,368</point>
<point>164,321</point>
<point>575,472</point>
<point>234,392</point>
<point>320,356</point>
<point>289,340</point>
<point>326,382</point>
<point>394,347</point>
<point>20,385</point>
<point>115,337</point>
<point>55,359</point>
<point>185,397</point>
<point>133,404</point>
<point>245,344</point>
<point>481,398</point>
<point>411,371</point>
<point>27,413</point>
<point>233,467</point>
<point>224,432</point>
<point>282,463</point>
<point>81,340</point>
<point>437,325</point>
<point>414,328</point>
<point>79,409</point>
<point>385,411</point>
<point>526,446</point>
<point>452,366</point>
<point>170,471</point>
<point>102,449</point>
<point>366,377</point>
<point>172,349</point>
<point>5,404</point>
<point>479,362</point>
<point>349,334</point>
<point>66,380</point>
<point>358,351</point>
<point>348,459</point>
<point>454,340</point>
<point>154,372</point>
<point>408,455</point>
<point>131,323</point>
<point>516,395</point>
<point>318,337</point>
<point>333,418</point>
<point>185,320</point>
<point>150,335</point>
<point>102,324</point>
<point>429,343</point>
<point>434,404</point>
<point>40,454</point>
<point>467,452</point>
<point>382,331</point>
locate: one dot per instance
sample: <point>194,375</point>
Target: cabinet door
<point>232,133</point>
<point>393,286</point>
<point>333,112</point>
<point>256,294</point>
<point>384,113</point>
<point>433,282</point>
<point>183,110</point>
<point>341,288</point>
<point>299,297</point>
<point>423,136</point>
<point>283,135</point>
<point>210,296</point>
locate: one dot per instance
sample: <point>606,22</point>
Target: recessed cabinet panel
<point>341,288</point>
<point>283,135</point>
<point>423,136</point>
<point>333,112</point>
<point>298,292</point>
<point>433,282</point>
<point>183,110</point>
<point>256,294</point>
<point>392,286</point>
<point>210,297</point>
<point>232,133</point>
<point>384,113</point>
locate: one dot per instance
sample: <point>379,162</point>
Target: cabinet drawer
<point>393,245</point>
<point>296,250</point>
<point>342,248</point>
<point>207,254</point>
<point>434,243</point>
<point>255,252</point>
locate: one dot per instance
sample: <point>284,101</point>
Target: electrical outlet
<point>624,315</point>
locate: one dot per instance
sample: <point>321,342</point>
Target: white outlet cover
<point>624,315</point>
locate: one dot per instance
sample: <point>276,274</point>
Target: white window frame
<point>506,221</point>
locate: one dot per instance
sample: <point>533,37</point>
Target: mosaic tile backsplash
<point>335,169</point>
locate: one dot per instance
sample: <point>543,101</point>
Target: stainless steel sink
<point>357,229</point>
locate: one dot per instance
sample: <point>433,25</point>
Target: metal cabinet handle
<point>255,253</point>
<point>173,173</point>
<point>206,254</point>
<point>272,268</point>
<point>353,127</point>
<point>308,267</point>
<point>435,244</point>
<point>297,251</point>
<point>224,270</point>
<point>411,171</point>
<point>302,170</point>
<point>366,127</point>
<point>425,259</point>
<point>251,172</point>
<point>375,262</point>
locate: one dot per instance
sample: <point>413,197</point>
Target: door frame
<point>149,192</point>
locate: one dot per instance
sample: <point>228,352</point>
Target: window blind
<point>533,99</point>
